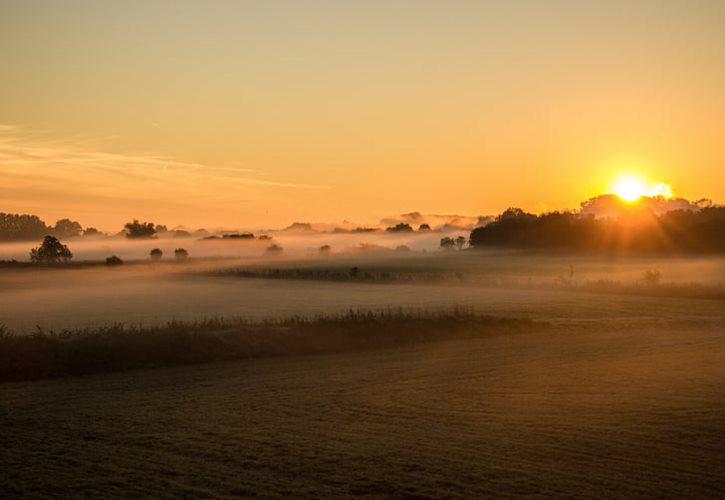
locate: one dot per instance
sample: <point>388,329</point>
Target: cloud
<point>35,155</point>
<point>61,178</point>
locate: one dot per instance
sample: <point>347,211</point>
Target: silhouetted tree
<point>66,228</point>
<point>697,230</point>
<point>399,228</point>
<point>180,233</point>
<point>91,231</point>
<point>447,243</point>
<point>325,250</point>
<point>402,248</point>
<point>138,229</point>
<point>16,227</point>
<point>424,227</point>
<point>160,228</point>
<point>181,254</point>
<point>156,254</point>
<point>114,260</point>
<point>238,236</point>
<point>460,242</point>
<point>50,251</point>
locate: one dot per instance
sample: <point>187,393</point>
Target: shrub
<point>181,254</point>
<point>114,260</point>
<point>273,250</point>
<point>447,243</point>
<point>156,254</point>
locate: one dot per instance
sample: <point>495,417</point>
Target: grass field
<point>570,393</point>
<point>627,412</point>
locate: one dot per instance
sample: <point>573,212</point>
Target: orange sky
<point>258,113</point>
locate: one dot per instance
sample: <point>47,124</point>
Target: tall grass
<point>44,354</point>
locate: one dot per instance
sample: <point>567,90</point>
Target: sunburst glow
<point>632,188</point>
<point>629,189</point>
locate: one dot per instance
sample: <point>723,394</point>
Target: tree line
<point>25,227</point>
<point>676,231</point>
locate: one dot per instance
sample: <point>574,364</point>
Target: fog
<point>294,244</point>
<point>503,283</point>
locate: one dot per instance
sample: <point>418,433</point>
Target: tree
<point>138,229</point>
<point>447,243</point>
<point>399,228</point>
<point>91,231</point>
<point>325,250</point>
<point>424,227</point>
<point>460,242</point>
<point>181,254</point>
<point>156,254</point>
<point>50,251</point>
<point>66,228</point>
<point>15,227</point>
<point>114,260</point>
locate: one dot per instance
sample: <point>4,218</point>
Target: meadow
<point>635,412</point>
<point>455,375</point>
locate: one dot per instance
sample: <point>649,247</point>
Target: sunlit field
<point>633,411</point>
<point>475,373</point>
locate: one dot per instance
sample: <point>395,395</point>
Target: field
<point>578,412</point>
<point>574,393</point>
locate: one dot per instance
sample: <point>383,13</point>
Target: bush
<point>273,250</point>
<point>325,250</point>
<point>181,254</point>
<point>156,254</point>
<point>447,243</point>
<point>114,260</point>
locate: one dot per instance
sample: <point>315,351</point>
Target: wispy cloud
<point>34,155</point>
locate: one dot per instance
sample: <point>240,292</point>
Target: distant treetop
<point>138,229</point>
<point>400,228</point>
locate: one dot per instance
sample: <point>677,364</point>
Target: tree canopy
<point>20,227</point>
<point>138,229</point>
<point>700,230</point>
<point>50,251</point>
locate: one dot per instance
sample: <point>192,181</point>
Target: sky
<point>260,113</point>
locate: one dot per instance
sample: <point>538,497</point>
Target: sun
<point>629,189</point>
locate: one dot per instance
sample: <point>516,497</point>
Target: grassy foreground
<point>121,347</point>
